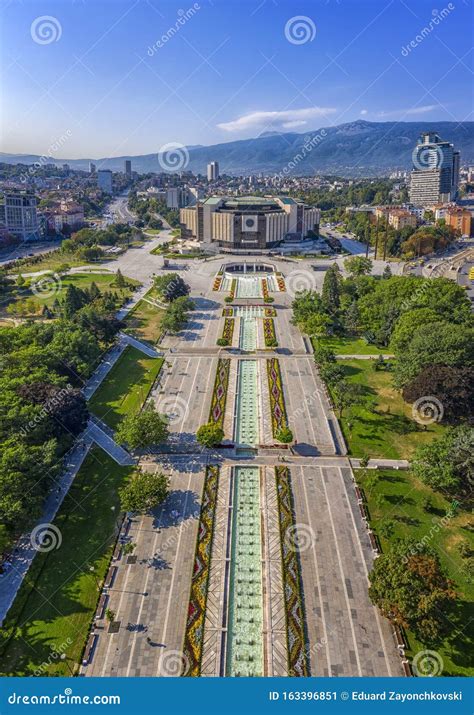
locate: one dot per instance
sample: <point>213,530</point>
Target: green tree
<point>409,587</point>
<point>447,463</point>
<point>142,429</point>
<point>210,434</point>
<point>171,286</point>
<point>144,491</point>
<point>330,293</point>
<point>358,265</point>
<point>120,281</point>
<point>345,394</point>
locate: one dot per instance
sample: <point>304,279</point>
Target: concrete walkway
<point>25,550</point>
<point>140,345</point>
<point>386,356</point>
<point>382,464</point>
<point>103,437</point>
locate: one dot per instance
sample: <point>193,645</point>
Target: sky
<point>98,78</point>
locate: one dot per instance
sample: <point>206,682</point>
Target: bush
<point>285,435</point>
<point>210,434</point>
<point>222,341</point>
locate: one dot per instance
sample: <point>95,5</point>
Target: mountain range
<point>358,148</point>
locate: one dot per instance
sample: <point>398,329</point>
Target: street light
<point>64,658</point>
<point>92,571</point>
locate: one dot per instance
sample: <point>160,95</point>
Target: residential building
<point>435,175</point>
<point>104,180</point>
<point>460,219</point>
<point>213,171</point>
<point>248,222</point>
<point>127,167</point>
<point>92,167</point>
<point>20,216</point>
<point>68,214</point>
<point>401,218</point>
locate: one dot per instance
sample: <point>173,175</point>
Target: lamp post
<point>92,571</point>
<point>64,658</point>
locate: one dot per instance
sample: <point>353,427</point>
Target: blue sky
<point>113,77</point>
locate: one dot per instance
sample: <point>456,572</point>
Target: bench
<point>407,669</point>
<point>91,641</point>
<point>110,577</point>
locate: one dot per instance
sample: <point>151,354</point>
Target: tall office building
<point>128,168</point>
<point>435,174</point>
<point>19,215</point>
<point>91,167</point>
<point>104,180</point>
<point>213,171</point>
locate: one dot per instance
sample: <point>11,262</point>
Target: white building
<point>213,171</point>
<point>19,215</point>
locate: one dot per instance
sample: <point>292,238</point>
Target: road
<point>119,210</point>
<point>27,248</point>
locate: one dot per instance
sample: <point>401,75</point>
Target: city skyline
<point>130,78</point>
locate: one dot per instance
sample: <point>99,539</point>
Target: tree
<point>440,343</point>
<point>452,386</point>
<point>65,408</point>
<point>210,434</point>
<point>144,491</point>
<point>285,435</point>
<point>345,394</point>
<point>351,319</point>
<point>332,373</point>
<point>143,429</point>
<point>447,463</point>
<point>20,281</point>
<point>120,281</point>
<point>387,272</point>
<point>110,615</point>
<point>407,324</point>
<point>358,265</point>
<point>171,286</point>
<point>330,293</point>
<point>409,587</point>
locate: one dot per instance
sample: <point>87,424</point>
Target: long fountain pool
<point>244,655</point>
<point>246,413</point>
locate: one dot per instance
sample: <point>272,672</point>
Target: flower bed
<point>217,283</point>
<point>194,634</point>
<point>228,331</point>
<point>269,333</point>
<point>227,312</point>
<point>219,394</point>
<point>277,401</point>
<point>233,288</point>
<point>298,665</point>
<point>270,312</point>
<point>265,292</point>
<point>281,283</point>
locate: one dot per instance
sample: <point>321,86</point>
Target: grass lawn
<point>58,597</point>
<point>126,387</point>
<point>52,262</point>
<point>152,231</point>
<point>144,321</point>
<point>350,346</point>
<point>382,426</point>
<point>398,496</point>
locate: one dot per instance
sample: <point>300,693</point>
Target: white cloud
<point>280,120</point>
<point>363,111</point>
<point>412,110</point>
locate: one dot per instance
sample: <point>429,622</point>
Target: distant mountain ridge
<point>358,148</point>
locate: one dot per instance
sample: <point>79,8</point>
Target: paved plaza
<point>150,592</point>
